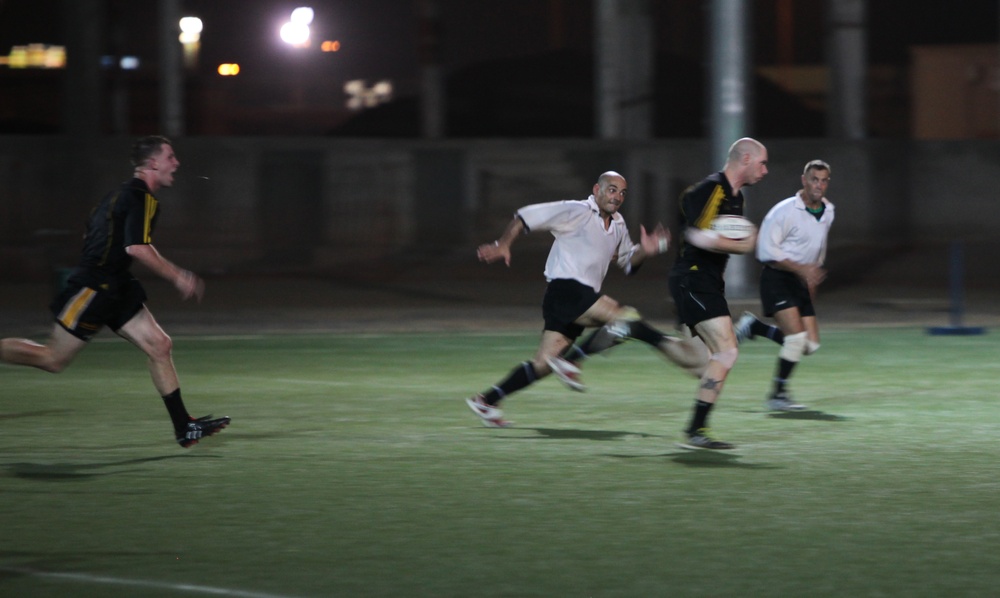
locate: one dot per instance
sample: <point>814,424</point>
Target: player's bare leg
<point>720,340</point>
<point>801,337</point>
<point>551,345</point>
<point>789,321</point>
<point>719,337</point>
<point>812,330</point>
<point>52,357</point>
<point>485,404</point>
<point>603,311</point>
<point>687,352</point>
<point>145,333</point>
<point>620,322</point>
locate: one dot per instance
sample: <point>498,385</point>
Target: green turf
<point>353,468</point>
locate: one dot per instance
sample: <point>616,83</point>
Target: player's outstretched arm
<point>500,249</point>
<point>653,243</point>
<point>710,240</point>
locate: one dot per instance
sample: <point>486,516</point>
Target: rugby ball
<point>733,227</point>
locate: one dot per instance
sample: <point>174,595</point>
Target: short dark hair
<point>145,147</point>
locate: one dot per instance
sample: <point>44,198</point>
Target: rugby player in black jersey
<point>101,290</point>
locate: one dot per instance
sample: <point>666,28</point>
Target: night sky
<point>380,38</point>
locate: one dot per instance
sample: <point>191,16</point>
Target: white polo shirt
<point>790,232</point>
<point>583,249</point>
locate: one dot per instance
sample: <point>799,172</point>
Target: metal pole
<point>432,100</point>
<point>623,63</point>
<point>86,30</point>
<point>957,283</point>
<point>729,52</point>
<point>607,62</point>
<point>171,73</point>
<point>848,57</point>
<point>636,105</point>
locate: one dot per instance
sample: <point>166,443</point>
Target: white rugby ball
<point>733,227</point>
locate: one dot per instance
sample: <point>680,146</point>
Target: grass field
<point>353,468</point>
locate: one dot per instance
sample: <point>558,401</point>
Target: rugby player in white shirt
<point>589,235</point>
<point>792,246</point>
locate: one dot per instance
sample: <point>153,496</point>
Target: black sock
<point>758,328</point>
<point>586,347</point>
<point>638,330</point>
<point>700,417</point>
<point>641,331</point>
<point>175,407</point>
<point>574,354</point>
<point>521,376</point>
<point>785,368</point>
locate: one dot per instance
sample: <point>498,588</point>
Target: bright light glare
<point>302,15</point>
<point>129,63</point>
<point>354,87</point>
<point>296,34</point>
<point>191,25</point>
<point>229,69</point>
<point>362,96</point>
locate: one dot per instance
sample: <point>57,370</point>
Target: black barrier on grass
<point>956,311</point>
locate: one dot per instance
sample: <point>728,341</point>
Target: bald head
<point>746,164</point>
<point>744,147</point>
<point>608,176</point>
<point>609,192</point>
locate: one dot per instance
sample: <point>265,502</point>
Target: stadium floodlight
<point>190,29</point>
<point>295,34</point>
<point>303,15</point>
<point>296,31</point>
<point>190,38</point>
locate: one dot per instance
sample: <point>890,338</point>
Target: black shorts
<point>781,290</point>
<point>565,301</point>
<point>83,311</point>
<point>698,296</point>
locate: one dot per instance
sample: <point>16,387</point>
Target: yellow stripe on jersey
<point>70,315</point>
<point>711,209</point>
<point>147,224</point>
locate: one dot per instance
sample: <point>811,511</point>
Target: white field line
<point>366,335</point>
<point>138,583</point>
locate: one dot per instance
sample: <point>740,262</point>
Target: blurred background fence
<point>315,205</point>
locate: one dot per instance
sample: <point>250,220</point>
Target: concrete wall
<point>304,204</point>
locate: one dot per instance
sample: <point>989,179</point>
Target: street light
<point>296,31</point>
<point>303,14</point>
<point>296,34</point>
<point>190,29</point>
<point>191,39</point>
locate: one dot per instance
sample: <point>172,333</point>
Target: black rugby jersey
<point>700,204</point>
<point>124,217</point>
